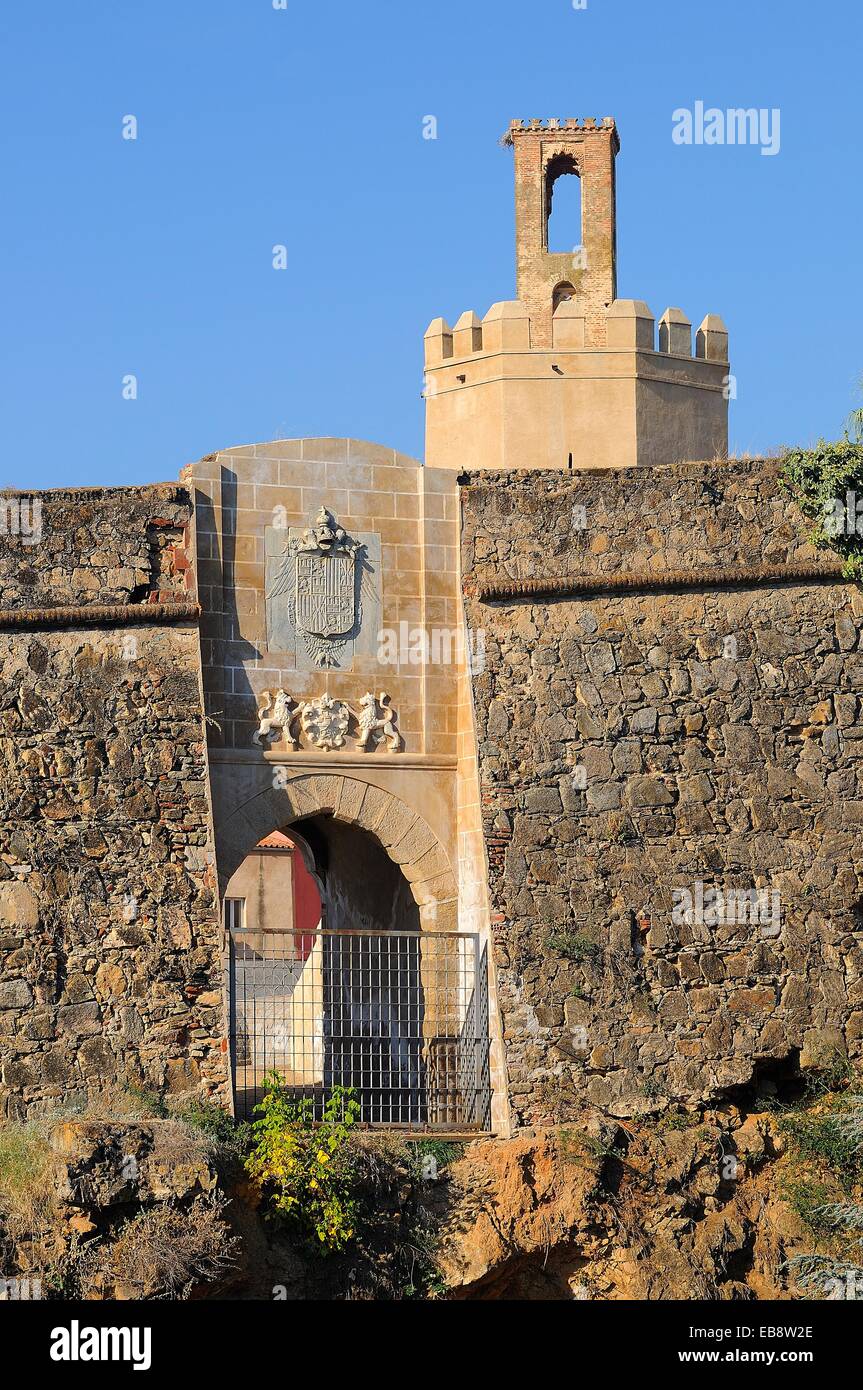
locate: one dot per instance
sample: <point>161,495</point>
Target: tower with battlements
<point>567,375</point>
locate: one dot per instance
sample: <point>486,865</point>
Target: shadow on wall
<point>227,689</point>
<point>373,989</point>
<point>364,889</point>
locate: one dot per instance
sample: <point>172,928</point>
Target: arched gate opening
<point>336,981</point>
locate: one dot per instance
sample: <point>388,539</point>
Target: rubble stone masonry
<point>110,958</point>
<point>637,746</point>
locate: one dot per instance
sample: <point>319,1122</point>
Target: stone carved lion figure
<point>276,712</point>
<point>371,723</point>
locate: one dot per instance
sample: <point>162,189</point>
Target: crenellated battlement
<point>553,126</point>
<point>629,324</point>
<point>652,393</point>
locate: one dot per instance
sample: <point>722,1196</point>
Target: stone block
<point>630,326</point>
<point>675,333</point>
<point>711,340</point>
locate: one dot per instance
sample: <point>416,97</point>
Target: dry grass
<point>27,1204</point>
<point>163,1252</point>
<point>187,1124</point>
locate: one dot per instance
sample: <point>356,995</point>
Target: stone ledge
<point>335,762</point>
<point>99,615</point>
<point>742,576</point>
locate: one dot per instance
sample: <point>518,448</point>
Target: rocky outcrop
<point>689,1207</point>
<point>104,1166</point>
<point>608,1212</point>
<point>127,1210</point>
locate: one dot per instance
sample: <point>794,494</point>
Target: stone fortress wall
<point>630,742</point>
<point>110,951</point>
<point>419,798</point>
<point>686,728</point>
<point>135,782</point>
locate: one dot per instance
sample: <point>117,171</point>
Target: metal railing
<point>399,1017</point>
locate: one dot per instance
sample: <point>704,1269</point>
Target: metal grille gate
<point>401,1017</point>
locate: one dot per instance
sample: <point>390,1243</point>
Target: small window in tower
<point>562,292</point>
<point>563,205</point>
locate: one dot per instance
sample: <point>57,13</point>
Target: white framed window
<point>235,914</point>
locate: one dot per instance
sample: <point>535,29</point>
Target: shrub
<point>394,1253</point>
<point>301,1167</point>
<point>145,1103</point>
<point>842,1216</point>
<point>827,1277</point>
<point>652,1087</point>
<point>809,1199</point>
<point>442,1152</point>
<point>833,1071</point>
<point>209,1119</point>
<point>827,1196</point>
<point>584,1150</point>
<point>573,945</point>
<point>674,1120</point>
<point>819,479</point>
<point>828,1141</point>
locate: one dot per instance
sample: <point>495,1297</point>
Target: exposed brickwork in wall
<point>110,966</point>
<point>735,763</point>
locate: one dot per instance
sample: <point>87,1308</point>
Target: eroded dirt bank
<point>635,1212</point>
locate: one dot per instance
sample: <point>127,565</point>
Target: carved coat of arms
<point>321,577</point>
<point>325,721</point>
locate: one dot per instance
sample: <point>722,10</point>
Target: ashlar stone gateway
<point>245,828</point>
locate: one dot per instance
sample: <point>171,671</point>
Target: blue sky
<point>304,126</point>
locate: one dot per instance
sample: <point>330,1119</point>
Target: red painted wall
<point>307,904</point>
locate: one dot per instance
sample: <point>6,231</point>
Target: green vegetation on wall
<point>826,482</point>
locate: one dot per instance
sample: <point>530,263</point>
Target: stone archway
<point>405,836</point>
<point>397,1015</point>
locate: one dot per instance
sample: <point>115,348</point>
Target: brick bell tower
<point>567,375</point>
<point>586,275</point>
